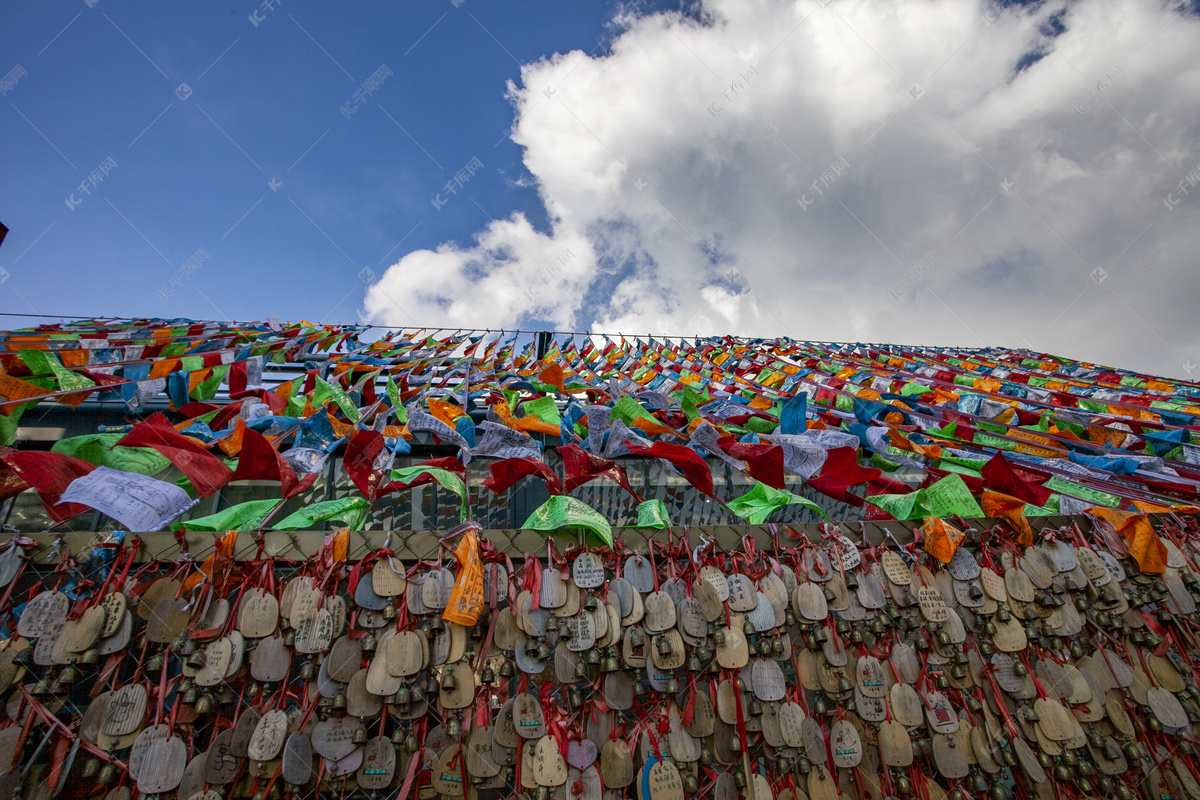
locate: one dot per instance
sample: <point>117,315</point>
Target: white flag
<point>136,501</point>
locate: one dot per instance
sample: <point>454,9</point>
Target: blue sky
<point>194,171</point>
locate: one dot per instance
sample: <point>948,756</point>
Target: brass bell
<point>904,785</point>
<point>253,690</point>
<point>739,777</point>
<point>289,640</point>
<point>803,765</point>
<point>1124,792</point>
<point>190,696</point>
<point>638,639</point>
<point>856,637</point>
<point>735,744</point>
<point>612,665</point>
<point>756,708</point>
<point>997,792</point>
<point>1003,614</point>
<point>942,681</point>
<point>360,735</point>
<point>543,652</point>
<point>705,756</point>
<point>844,685</point>
<point>552,625</point>
<point>1062,772</point>
<point>593,655</point>
<point>368,643</point>
<point>154,663</point>
<point>718,637</point>
<point>672,685</point>
<point>90,656</point>
<point>581,669</point>
<point>432,686</point>
<point>1105,784</point>
<point>203,705</point>
<point>1019,668</point>
<point>410,743</point>
<point>693,664</point>
<point>398,736</point>
<point>542,793</point>
<point>958,671</point>
<point>506,669</point>
<point>41,687</point>
<point>448,681</point>
<point>576,698</point>
<point>339,699</point>
<point>90,767</point>
<point>389,612</point>
<point>943,638</point>
<point>488,675</point>
<point>453,728</point>
<point>690,784</point>
<point>1045,760</point>
<point>68,675</point>
<point>196,660</point>
<point>748,628</point>
<point>108,774</point>
<point>308,671</point>
<point>403,696</point>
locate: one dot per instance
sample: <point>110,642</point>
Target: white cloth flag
<point>138,502</point>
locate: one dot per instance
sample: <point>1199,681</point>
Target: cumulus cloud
<point>905,171</point>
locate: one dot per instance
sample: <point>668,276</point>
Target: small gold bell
<point>389,611</point>
<point>69,675</point>
<point>339,699</point>
<point>448,681</point>
<point>488,675</point>
<point>454,728</point>
<point>196,660</point>
<point>612,665</point>
<point>663,646</point>
<point>204,705</point>
<point>368,643</point>
<point>90,656</point>
<point>108,774</point>
<point>154,663</point>
<point>360,735</point>
<point>90,768</point>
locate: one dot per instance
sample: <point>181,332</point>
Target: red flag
<point>580,466</point>
<point>506,472</point>
<point>683,458</point>
<point>764,461</point>
<point>359,463</point>
<point>840,472</point>
<point>11,483</point>
<point>50,474</point>
<point>206,472</point>
<point>1000,476</point>
<point>260,461</point>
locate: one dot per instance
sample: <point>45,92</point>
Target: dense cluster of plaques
<point>795,673</point>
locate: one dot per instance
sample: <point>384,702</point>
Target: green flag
<point>242,517</point>
<point>562,511</point>
<point>351,510</point>
<point>447,479</point>
<point>761,501</point>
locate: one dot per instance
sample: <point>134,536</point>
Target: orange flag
<point>221,557</point>
<point>1144,545</point>
<point>941,539</point>
<point>466,599</point>
<point>1009,509</point>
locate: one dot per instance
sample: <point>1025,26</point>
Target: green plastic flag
<point>948,497</point>
<point>98,449</point>
<point>562,511</point>
<point>447,479</point>
<point>242,517</point>
<point>544,409</point>
<point>652,514</point>
<point>351,510</point>
<point>325,390</point>
<point>761,501</point>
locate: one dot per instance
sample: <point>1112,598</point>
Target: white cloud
<point>690,174</point>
